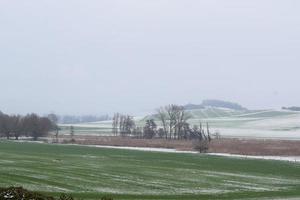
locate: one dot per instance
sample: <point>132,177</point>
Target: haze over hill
<point>149,99</point>
<point>215,103</point>
<point>74,57</point>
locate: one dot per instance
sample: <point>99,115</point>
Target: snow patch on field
<point>138,148</point>
<point>281,158</point>
<point>6,161</point>
<point>46,188</point>
<point>166,150</point>
<point>257,133</point>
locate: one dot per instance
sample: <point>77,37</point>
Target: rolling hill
<point>274,124</point>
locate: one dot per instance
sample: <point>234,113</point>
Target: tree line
<point>215,103</point>
<point>73,119</point>
<point>169,122</point>
<point>30,125</point>
<point>122,124</point>
<point>293,108</point>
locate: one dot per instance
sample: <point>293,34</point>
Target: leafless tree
<point>150,129</point>
<point>123,124</point>
<point>128,125</point>
<point>7,125</point>
<point>173,118</point>
<point>36,126</point>
<point>54,119</point>
<point>115,123</point>
<point>72,132</point>
<point>162,116</point>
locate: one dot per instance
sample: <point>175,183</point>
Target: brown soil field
<point>232,146</point>
<point>256,147</point>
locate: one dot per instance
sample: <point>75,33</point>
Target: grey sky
<point>80,57</point>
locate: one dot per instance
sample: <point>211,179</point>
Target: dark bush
<point>106,198</point>
<point>201,146</point>
<point>65,197</point>
<point>19,193</point>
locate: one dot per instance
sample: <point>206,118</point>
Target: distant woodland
<point>30,125</point>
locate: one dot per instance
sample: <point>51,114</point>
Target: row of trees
<point>172,124</point>
<point>30,125</point>
<point>174,121</point>
<point>122,124</point>
<point>71,119</point>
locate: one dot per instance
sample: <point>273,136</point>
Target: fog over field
<point>94,57</point>
<point>149,99</point>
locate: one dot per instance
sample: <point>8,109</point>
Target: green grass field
<point>89,173</point>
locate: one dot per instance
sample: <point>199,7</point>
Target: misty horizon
<point>133,56</point>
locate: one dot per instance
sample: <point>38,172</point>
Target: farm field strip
<point>166,150</point>
<point>89,172</point>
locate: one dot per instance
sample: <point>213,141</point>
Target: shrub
<point>106,198</point>
<point>19,193</point>
<point>65,197</point>
<point>201,146</point>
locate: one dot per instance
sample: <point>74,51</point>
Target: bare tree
<point>203,140</point>
<point>44,126</point>
<point>128,125</point>
<point>7,125</point>
<point>208,132</point>
<point>161,133</point>
<point>29,125</point>
<point>36,126</point>
<point>150,129</point>
<point>123,124</point>
<point>137,132</point>
<point>162,116</point>
<point>72,132</point>
<point>173,118</point>
<point>54,120</point>
<point>172,112</point>
<point>115,123</point>
<point>17,125</point>
<point>181,124</point>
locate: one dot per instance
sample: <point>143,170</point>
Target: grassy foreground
<point>90,173</point>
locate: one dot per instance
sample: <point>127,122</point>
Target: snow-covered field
<point>281,158</point>
<point>257,133</point>
<point>267,124</point>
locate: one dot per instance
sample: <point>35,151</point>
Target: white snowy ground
<point>281,158</point>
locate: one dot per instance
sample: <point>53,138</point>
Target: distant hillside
<point>215,103</point>
<point>193,106</point>
<point>71,119</point>
<point>293,108</point>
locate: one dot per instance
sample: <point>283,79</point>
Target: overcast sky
<point>95,56</point>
